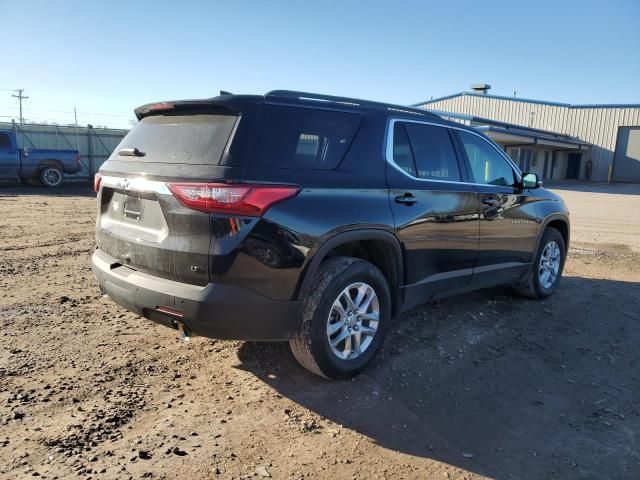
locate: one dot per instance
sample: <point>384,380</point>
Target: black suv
<point>314,219</point>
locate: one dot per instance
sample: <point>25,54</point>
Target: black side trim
<point>437,277</point>
<point>354,236</point>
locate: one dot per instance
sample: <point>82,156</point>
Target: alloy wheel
<point>52,177</point>
<point>353,321</point>
<point>549,265</point>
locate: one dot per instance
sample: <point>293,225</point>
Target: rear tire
<point>547,267</point>
<point>338,335</point>
<point>51,176</point>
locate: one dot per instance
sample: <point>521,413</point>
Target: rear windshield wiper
<point>131,152</point>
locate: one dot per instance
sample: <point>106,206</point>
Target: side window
<point>434,154</point>
<point>402,154</point>
<point>5,143</point>
<point>487,165</point>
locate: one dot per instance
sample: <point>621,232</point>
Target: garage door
<point>626,165</point>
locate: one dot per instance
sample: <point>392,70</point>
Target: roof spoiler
<point>182,105</point>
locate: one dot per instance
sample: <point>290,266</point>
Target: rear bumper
<point>216,311</point>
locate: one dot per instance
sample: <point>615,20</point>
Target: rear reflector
<point>97,179</point>
<point>169,311</point>
<point>233,199</point>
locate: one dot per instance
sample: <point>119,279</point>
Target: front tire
<point>345,319</point>
<point>51,176</point>
<point>547,268</point>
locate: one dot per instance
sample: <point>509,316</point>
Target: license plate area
<point>132,207</point>
<point>132,216</point>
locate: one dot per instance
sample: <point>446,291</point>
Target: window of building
<point>514,153</point>
<point>309,145</point>
<point>487,165</point>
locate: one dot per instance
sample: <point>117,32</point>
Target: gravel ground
<point>486,385</point>
<point>604,216</point>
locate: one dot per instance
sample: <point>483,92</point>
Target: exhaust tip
<point>185,333</point>
<point>169,317</point>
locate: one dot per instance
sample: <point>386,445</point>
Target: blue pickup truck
<point>32,165</point>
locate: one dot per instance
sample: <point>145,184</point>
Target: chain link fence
<point>94,144</point>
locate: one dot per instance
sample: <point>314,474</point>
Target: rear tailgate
<point>140,223</point>
<point>143,226</point>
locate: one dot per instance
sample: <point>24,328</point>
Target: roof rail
<point>354,102</point>
<point>317,97</point>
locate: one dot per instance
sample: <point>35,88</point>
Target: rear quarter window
<point>301,138</point>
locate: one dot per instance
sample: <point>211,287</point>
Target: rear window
<point>434,154</point>
<point>306,138</point>
<point>190,139</point>
<point>4,141</point>
<point>402,153</point>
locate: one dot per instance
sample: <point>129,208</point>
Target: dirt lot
<point>489,385</point>
<point>604,217</point>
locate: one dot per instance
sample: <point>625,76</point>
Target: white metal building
<point>555,140</point>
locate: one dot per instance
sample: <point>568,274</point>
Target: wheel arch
<point>50,162</point>
<point>379,247</point>
<point>560,223</point>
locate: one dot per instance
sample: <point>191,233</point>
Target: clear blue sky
<point>105,58</point>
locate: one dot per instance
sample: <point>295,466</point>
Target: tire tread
<point>302,344</point>
<point>529,288</point>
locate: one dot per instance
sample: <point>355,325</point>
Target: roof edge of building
<point>507,125</point>
<point>528,100</point>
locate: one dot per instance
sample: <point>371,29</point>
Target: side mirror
<point>531,180</point>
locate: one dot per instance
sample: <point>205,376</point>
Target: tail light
<point>78,158</point>
<point>234,199</point>
<point>96,182</point>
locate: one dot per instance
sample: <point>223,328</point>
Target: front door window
<point>488,167</point>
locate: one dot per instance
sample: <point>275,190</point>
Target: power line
<point>60,115</point>
<point>28,110</point>
<point>20,97</point>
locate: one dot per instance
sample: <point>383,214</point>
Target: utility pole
<point>20,97</point>
<point>75,115</point>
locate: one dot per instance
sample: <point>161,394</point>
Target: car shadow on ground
<point>498,385</point>
<point>71,190</point>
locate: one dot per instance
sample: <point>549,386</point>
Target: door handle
<point>492,202</point>
<point>407,199</point>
